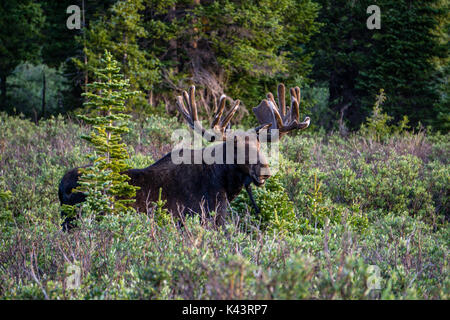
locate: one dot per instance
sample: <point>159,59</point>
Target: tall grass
<point>356,203</point>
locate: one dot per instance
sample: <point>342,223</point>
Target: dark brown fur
<point>187,188</point>
<point>195,188</point>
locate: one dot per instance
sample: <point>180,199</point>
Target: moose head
<point>239,148</point>
<point>246,151</point>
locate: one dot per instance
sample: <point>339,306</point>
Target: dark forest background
<point>240,48</point>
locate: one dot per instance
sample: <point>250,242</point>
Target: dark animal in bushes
<point>190,188</point>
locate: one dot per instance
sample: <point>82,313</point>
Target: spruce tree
<point>401,60</point>
<point>355,61</point>
<point>120,31</point>
<point>105,185</point>
<point>20,25</point>
<point>241,48</point>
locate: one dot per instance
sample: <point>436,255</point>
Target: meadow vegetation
<point>359,207</point>
<point>336,207</point>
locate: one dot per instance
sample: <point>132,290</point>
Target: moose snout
<point>260,180</point>
<point>260,175</point>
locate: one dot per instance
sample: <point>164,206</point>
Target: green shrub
<point>277,211</point>
<point>382,204</point>
<point>377,125</point>
<point>5,214</point>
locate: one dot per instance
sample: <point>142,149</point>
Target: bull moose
<point>195,187</point>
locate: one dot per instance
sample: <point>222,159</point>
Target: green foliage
<point>357,203</point>
<point>337,206</point>
<point>277,211</point>
<point>120,32</point>
<point>4,195</point>
<point>377,125</point>
<point>26,16</point>
<point>59,44</point>
<point>198,262</point>
<point>20,24</point>
<point>240,48</point>
<point>162,215</point>
<point>222,46</point>
<point>104,183</point>
<point>5,214</point>
<point>255,44</point>
<point>400,57</point>
<point>25,95</point>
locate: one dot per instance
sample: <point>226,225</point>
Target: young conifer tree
<point>107,190</point>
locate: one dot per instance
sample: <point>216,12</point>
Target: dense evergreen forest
<point>240,48</point>
<point>356,207</point>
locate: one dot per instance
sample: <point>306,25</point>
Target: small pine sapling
<point>106,187</point>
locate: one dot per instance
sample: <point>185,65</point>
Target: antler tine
<point>193,105</point>
<point>297,91</point>
<point>230,114</point>
<point>268,111</point>
<point>272,99</point>
<point>187,106</point>
<point>278,117</point>
<point>190,112</point>
<point>186,100</point>
<point>293,95</point>
<point>295,112</point>
<point>218,115</point>
<point>281,99</point>
<point>182,108</point>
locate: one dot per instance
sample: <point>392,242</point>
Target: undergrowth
<point>338,209</point>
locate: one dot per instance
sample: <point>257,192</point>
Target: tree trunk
<point>44,87</point>
<point>3,89</point>
<point>195,30</point>
<point>86,79</point>
<point>35,117</point>
<point>150,98</point>
<point>173,45</point>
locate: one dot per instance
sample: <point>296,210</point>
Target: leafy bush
<point>377,125</point>
<point>277,211</point>
<point>5,214</point>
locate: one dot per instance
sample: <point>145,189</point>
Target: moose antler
<point>219,123</point>
<point>285,121</point>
